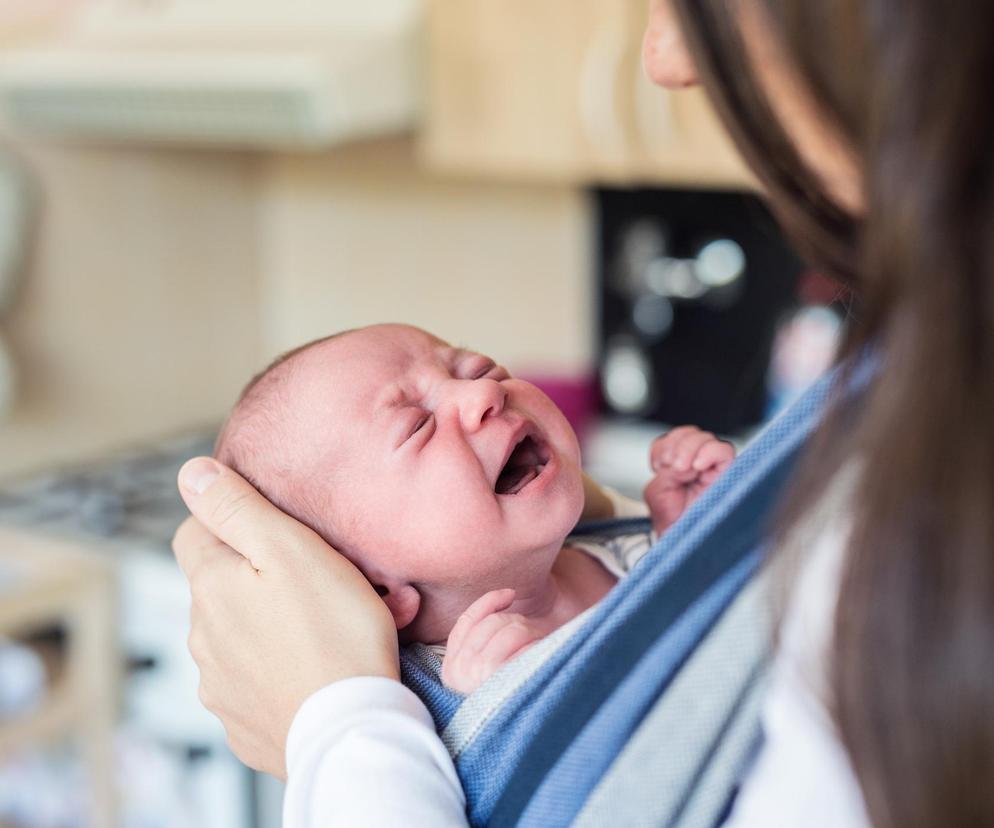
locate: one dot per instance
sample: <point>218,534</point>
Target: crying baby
<point>450,484</point>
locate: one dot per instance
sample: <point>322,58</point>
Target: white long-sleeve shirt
<point>364,751</point>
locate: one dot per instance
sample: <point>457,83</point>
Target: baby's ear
<point>403,603</point>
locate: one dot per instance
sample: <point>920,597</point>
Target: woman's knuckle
<point>181,538</point>
<point>196,579</point>
<point>195,644</point>
<point>230,509</point>
<point>203,593</point>
<point>238,747</point>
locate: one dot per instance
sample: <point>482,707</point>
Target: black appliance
<point>692,286</point>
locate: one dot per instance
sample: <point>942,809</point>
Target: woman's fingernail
<point>198,474</point>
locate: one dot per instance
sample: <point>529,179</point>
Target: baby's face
<point>445,469</point>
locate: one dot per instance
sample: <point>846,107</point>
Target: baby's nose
<point>478,399</point>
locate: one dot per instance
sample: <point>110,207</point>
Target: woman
<point>871,125</point>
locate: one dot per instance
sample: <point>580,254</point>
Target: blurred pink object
<point>578,397</point>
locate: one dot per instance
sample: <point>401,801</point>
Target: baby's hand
<point>484,639</point>
<point>686,461</point>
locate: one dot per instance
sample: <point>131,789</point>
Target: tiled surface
<point>130,497</point>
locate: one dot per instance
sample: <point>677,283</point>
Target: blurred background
<point>189,187</point>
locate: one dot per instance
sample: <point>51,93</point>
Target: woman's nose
<point>476,400</point>
<point>665,57</point>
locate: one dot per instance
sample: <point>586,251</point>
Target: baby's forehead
<point>402,338</point>
<point>356,366</point>
<point>379,346</point>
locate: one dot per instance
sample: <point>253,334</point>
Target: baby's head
<point>439,475</point>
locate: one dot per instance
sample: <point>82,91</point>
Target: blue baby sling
<point>646,712</point>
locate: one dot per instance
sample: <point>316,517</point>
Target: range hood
<point>264,74</point>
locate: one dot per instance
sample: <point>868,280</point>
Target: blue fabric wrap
<point>539,757</point>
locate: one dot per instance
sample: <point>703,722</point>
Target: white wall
<point>139,314</point>
<point>364,236</point>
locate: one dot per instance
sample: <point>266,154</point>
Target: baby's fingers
<point>507,642</point>
<point>666,502</point>
<point>708,476</point>
<point>715,454</point>
<point>469,663</point>
<point>663,450</point>
<point>486,605</point>
<point>686,450</point>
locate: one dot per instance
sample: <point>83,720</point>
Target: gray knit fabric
<point>700,735</point>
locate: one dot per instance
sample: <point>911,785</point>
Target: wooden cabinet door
<point>554,89</point>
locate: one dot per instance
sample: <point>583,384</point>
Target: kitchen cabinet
<point>554,89</point>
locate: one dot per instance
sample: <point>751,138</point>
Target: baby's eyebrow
<point>450,352</point>
<point>463,351</point>
<point>395,395</point>
<point>389,397</point>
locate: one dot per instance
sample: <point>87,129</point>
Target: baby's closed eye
<point>415,425</point>
<point>482,367</point>
<point>424,425</point>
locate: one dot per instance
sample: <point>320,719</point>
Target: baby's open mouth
<point>525,464</point>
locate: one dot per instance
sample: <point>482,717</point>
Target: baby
<point>451,485</point>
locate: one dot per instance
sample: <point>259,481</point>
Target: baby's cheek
<point>385,513</point>
<point>557,428</point>
<point>454,513</point>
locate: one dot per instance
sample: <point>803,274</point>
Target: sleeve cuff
<point>330,710</point>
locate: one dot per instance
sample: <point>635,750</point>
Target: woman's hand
<point>277,614</point>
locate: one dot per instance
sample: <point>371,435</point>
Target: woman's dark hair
<point>907,85</point>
